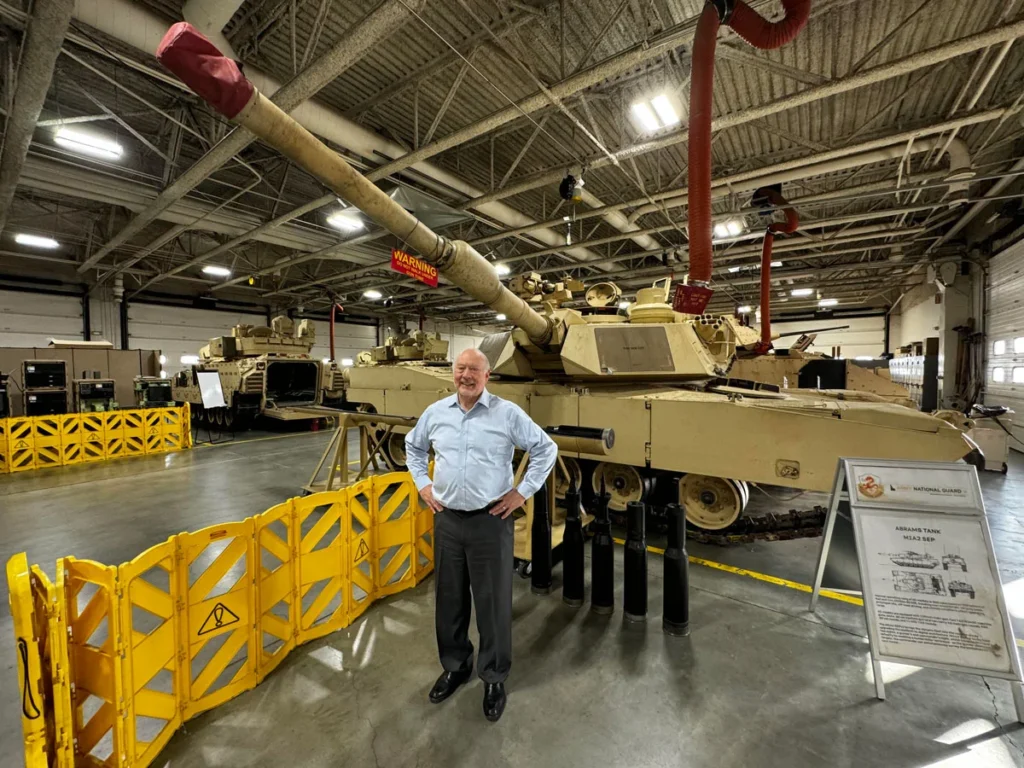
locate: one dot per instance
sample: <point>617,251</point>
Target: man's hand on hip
<point>508,503</point>
<point>427,494</point>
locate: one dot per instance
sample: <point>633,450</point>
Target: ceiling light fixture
<point>666,112</point>
<point>35,241</point>
<point>745,309</point>
<point>87,144</point>
<point>623,305</point>
<point>828,302</point>
<point>372,295</point>
<point>500,318</point>
<point>776,263</point>
<point>801,292</point>
<point>212,269</point>
<point>730,228</point>
<point>502,269</point>
<point>346,362</point>
<point>734,269</point>
<point>189,359</point>
<point>346,220</point>
<point>645,116</point>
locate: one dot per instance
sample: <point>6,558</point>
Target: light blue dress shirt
<point>473,451</point>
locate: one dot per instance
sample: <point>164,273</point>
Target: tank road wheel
<point>712,503</point>
<point>623,482</point>
<point>229,417</point>
<point>218,417</point>
<point>394,451</point>
<point>561,481</point>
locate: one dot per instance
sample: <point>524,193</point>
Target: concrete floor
<point>760,681</point>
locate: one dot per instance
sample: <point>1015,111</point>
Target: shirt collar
<point>485,400</point>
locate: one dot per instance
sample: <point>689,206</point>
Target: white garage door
<point>865,336</point>
<point>349,340</point>
<point>1004,326</point>
<point>32,319</point>
<point>179,331</point>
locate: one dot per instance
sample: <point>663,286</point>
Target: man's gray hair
<point>478,354</point>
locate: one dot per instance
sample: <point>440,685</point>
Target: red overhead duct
<point>693,297</point>
<point>776,200</point>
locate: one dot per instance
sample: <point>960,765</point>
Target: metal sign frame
<point>972,509</point>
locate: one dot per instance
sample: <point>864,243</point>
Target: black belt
<point>468,512</point>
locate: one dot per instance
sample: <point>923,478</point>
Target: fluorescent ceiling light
<point>730,228</point>
<point>347,362</point>
<point>863,357</point>
<point>163,374</point>
<point>372,294</point>
<point>734,269</point>
<point>801,292</point>
<point>665,110</point>
<point>347,220</point>
<point>213,269</point>
<point>500,318</point>
<point>828,302</point>
<point>776,263</point>
<point>189,359</point>
<point>623,305</point>
<point>35,241</point>
<point>163,359</point>
<point>87,144</point>
<point>503,269</point>
<point>744,309</point>
<point>643,113</point>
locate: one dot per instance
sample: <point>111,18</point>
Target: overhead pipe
<point>836,87</point>
<point>776,200</point>
<point>39,50</point>
<point>978,207</point>
<point>761,34</point>
<point>220,82</point>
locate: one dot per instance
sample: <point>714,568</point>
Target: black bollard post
<point>572,550</point>
<point>540,540</point>
<point>602,559</point>
<point>635,564</point>
<point>676,610</point>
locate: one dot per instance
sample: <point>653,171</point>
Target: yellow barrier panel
<point>37,442</point>
<point>116,658</point>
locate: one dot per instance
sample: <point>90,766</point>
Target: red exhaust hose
<point>788,226</point>
<point>760,33</point>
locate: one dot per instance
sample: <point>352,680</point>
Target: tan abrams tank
<point>683,431</point>
<point>652,375</point>
<point>263,371</point>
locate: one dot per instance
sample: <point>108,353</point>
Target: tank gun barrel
<point>810,330</point>
<point>218,80</point>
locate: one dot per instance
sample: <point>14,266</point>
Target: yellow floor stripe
<point>761,577</point>
<point>851,599</point>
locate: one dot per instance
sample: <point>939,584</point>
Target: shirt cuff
<point>526,491</point>
<point>422,481</point>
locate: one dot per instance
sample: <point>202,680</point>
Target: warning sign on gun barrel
<point>409,265</point>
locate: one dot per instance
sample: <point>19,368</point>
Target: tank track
<point>795,524</point>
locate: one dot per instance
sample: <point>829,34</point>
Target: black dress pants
<point>473,555</point>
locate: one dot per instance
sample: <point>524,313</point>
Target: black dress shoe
<point>447,684</point>
<point>494,701</point>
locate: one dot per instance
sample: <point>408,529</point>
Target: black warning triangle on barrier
<point>362,551</point>
<point>221,616</point>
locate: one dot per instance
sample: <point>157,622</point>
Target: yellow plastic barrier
<point>113,659</point>
<point>37,442</point>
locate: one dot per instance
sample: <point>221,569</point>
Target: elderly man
<point>473,434</point>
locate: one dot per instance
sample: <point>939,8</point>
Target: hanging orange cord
<point>775,200</point>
